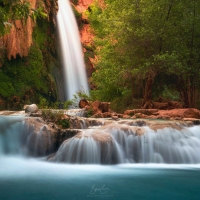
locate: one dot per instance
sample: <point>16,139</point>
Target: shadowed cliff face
<point>19,40</point>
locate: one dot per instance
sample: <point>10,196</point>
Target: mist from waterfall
<point>72,55</point>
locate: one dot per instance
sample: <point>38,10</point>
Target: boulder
<point>83,103</point>
<point>96,107</point>
<point>33,108</point>
<point>100,107</point>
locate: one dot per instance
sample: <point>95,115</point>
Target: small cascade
<point>121,143</point>
<point>39,143</point>
<point>22,139</point>
<point>90,146</point>
<point>72,55</point>
<point>77,112</point>
<point>13,134</point>
<point>167,145</point>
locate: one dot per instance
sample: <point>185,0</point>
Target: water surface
<point>23,179</point>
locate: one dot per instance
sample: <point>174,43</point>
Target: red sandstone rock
<point>162,105</point>
<point>181,113</point>
<point>125,116</point>
<point>191,113</point>
<point>83,103</point>
<point>143,111</point>
<point>98,107</point>
<point>174,114</point>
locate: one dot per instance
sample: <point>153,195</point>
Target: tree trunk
<point>148,92</point>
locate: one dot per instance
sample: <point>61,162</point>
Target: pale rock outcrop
<point>33,108</point>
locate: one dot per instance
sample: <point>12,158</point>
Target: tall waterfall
<point>72,55</point>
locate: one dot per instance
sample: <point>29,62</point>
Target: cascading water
<point>20,139</point>
<point>108,144</point>
<point>72,55</point>
<point>12,135</point>
<point>131,144</point>
<point>114,143</point>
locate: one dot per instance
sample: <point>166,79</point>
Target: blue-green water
<point>22,179</point>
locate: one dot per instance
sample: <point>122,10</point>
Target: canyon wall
<point>86,35</point>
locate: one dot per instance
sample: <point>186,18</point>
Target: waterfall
<point>116,142</point>
<point>72,55</point>
<point>131,144</point>
<point>20,139</point>
<point>12,135</point>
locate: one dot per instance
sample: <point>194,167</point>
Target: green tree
<point>137,40</point>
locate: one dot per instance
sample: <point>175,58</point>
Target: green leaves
<point>38,14</point>
<point>137,38</point>
<point>17,10</point>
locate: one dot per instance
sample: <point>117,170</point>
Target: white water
<point>72,55</point>
<point>166,145</point>
<point>19,139</point>
<point>111,144</point>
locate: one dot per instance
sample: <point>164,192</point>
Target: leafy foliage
<point>137,40</point>
<point>64,123</point>
<point>74,103</point>
<point>23,77</point>
<point>17,9</point>
<point>56,117</point>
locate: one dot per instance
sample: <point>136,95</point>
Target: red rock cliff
<point>19,40</point>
